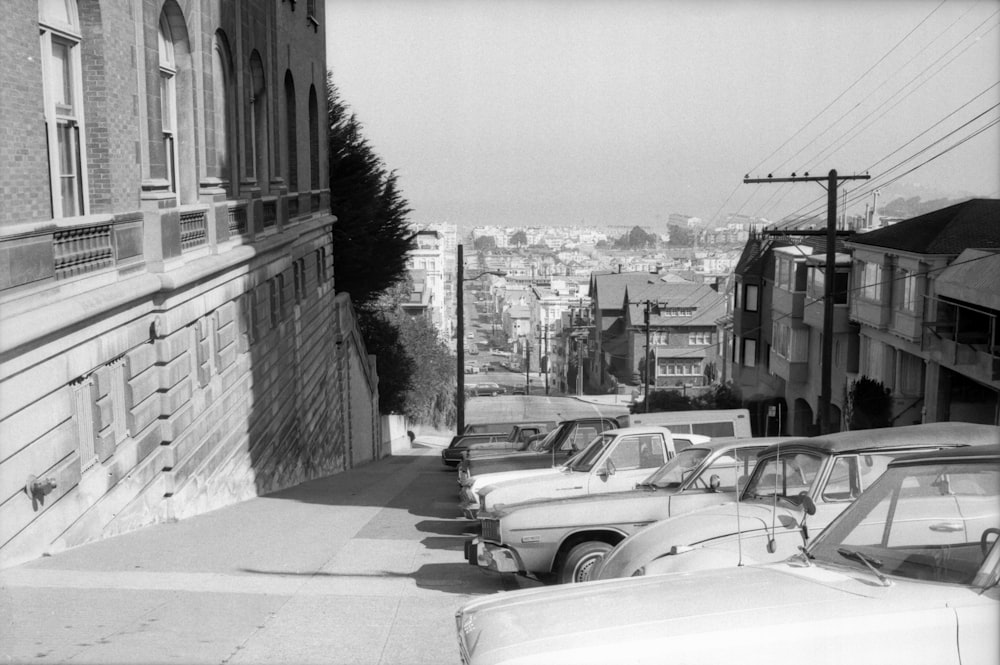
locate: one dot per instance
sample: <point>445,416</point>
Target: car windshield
<point>545,444</point>
<point>932,522</point>
<point>787,475</point>
<point>677,470</point>
<point>586,458</point>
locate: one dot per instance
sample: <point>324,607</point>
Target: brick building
<point>170,336</point>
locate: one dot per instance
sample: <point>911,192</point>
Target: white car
<point>909,573</point>
<point>613,462</point>
<point>796,489</point>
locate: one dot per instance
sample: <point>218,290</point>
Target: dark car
<point>489,389</point>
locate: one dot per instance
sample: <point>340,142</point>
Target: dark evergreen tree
<point>371,238</point>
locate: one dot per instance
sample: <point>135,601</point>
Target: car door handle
<point>947,527</point>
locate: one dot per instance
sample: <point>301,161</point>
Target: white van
<point>717,423</point>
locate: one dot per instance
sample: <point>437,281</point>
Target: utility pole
<point>460,344</point>
<point>527,365</point>
<point>832,181</point>
<point>647,370</point>
<point>645,400</point>
<point>545,327</point>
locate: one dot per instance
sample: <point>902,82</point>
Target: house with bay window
<point>924,295</point>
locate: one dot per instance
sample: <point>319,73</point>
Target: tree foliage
<point>869,404</point>
<point>681,236</point>
<point>483,243</point>
<point>518,238</point>
<point>415,368</point>
<point>722,396</point>
<point>636,239</point>
<point>371,238</point>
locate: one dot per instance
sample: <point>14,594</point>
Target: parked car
<point>614,461</point>
<point>489,389</point>
<point>803,480</point>
<point>514,438</point>
<point>470,486</point>
<point>908,573</point>
<point>563,538</point>
<point>568,438</point>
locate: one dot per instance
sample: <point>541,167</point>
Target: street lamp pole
<point>460,346</point>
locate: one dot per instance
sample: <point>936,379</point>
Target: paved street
<point>364,567</point>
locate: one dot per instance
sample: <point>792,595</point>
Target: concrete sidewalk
<point>362,567</point>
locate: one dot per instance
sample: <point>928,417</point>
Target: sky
<point>621,112</point>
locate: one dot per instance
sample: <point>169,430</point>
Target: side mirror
<point>714,482</point>
<point>807,504</point>
<point>607,471</point>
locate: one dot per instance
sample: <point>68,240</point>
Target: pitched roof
<point>708,304</point>
<point>609,288</point>
<point>972,278</point>
<point>972,224</point>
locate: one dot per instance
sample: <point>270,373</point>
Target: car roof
<point>732,444</point>
<point>640,429</point>
<point>963,454</point>
<point>908,436</point>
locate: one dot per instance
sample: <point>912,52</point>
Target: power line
<point>850,87</point>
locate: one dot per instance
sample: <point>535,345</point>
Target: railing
<point>194,229</point>
<point>82,250</point>
<point>237,219</point>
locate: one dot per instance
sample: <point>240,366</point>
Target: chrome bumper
<point>491,557</point>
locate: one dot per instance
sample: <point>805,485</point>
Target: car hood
<point>538,485</point>
<point>481,482</point>
<point>587,502</point>
<point>753,614</point>
<point>693,529</point>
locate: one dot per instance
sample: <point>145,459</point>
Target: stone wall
<point>179,393</point>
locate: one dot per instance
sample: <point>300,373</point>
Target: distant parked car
<point>489,389</point>
<point>908,573</point>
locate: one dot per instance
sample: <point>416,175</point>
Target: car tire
<point>580,561</point>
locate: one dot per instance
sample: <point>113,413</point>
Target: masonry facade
<point>171,340</point>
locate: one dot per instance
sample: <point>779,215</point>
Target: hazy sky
<point>624,111</point>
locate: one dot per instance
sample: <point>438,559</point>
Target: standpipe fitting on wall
<point>37,488</point>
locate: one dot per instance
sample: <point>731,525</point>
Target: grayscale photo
<point>499,332</point>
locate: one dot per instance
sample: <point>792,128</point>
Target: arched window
<point>168,100</point>
<point>176,92</point>
<point>258,120</point>
<point>313,139</point>
<point>224,120</point>
<point>291,138</point>
<point>59,28</point>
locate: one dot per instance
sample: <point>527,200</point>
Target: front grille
<point>491,529</point>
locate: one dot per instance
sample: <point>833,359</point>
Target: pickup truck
<point>613,462</point>
<point>562,539</point>
<point>514,439</point>
<point>568,438</point>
